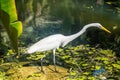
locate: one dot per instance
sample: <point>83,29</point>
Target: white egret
<point>53,42</point>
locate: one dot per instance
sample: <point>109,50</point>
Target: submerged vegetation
<point>93,56</point>
<point>81,62</point>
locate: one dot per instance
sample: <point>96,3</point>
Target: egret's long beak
<point>105,29</point>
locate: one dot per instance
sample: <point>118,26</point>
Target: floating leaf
<point>106,62</point>
<point>98,58</point>
<point>90,52</point>
<point>84,64</point>
<point>104,59</point>
<point>91,78</point>
<point>86,73</point>
<point>118,62</point>
<point>116,66</point>
<point>66,57</point>
<point>97,67</point>
<point>72,73</point>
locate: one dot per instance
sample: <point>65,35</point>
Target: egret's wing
<point>47,43</point>
<point>48,46</point>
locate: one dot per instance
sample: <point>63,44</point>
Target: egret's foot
<point>42,71</point>
<point>56,70</point>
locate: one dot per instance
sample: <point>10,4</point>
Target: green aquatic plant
<point>9,21</point>
<point>84,60</point>
<point>2,74</point>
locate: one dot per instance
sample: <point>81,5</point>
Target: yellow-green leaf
<point>84,64</point>
<point>116,66</point>
<point>72,73</point>
<point>97,67</point>
<point>18,26</point>
<point>8,19</point>
<point>9,7</point>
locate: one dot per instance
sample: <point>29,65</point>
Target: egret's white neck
<point>71,37</point>
<point>74,36</point>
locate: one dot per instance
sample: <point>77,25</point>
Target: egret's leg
<point>54,59</point>
<point>41,65</point>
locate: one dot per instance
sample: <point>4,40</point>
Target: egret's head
<point>101,27</point>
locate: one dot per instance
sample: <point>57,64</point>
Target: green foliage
<point>13,72</point>
<point>81,62</point>
<point>8,20</point>
<point>36,56</point>
<point>2,74</point>
<point>84,60</point>
<point>33,75</point>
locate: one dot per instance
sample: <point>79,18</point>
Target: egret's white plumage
<point>48,43</point>
<point>55,41</point>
